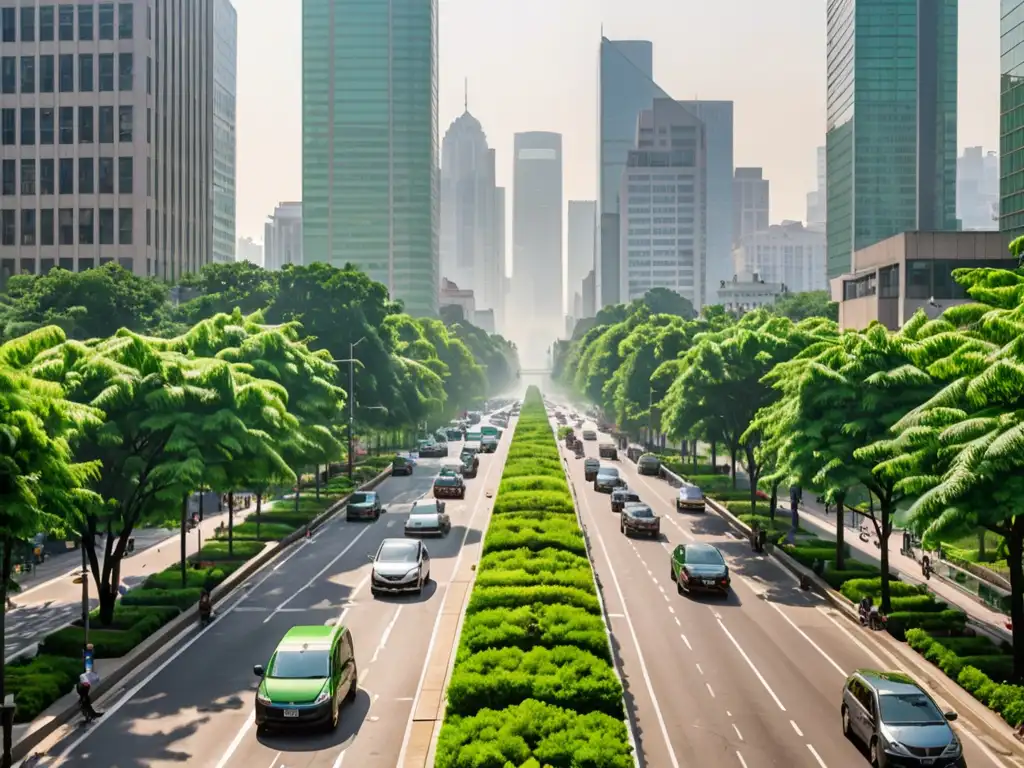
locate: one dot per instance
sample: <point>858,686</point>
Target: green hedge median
<point>533,683</point>
<point>37,683</point>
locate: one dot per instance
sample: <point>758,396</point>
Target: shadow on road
<point>630,701</point>
<point>353,715</point>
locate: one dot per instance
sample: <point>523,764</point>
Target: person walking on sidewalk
<point>796,493</point>
<point>84,690</point>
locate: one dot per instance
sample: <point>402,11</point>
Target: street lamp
<point>352,399</point>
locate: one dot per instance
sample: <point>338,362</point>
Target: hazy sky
<point>532,65</point>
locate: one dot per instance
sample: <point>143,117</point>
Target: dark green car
<point>402,465</point>
<point>363,505</point>
<point>311,674</point>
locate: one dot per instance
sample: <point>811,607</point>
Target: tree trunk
<point>318,482</point>
<point>1015,552</point>
<point>106,585</point>
<point>883,531</point>
<point>714,457</point>
<point>259,508</point>
<point>231,523</point>
<point>733,449</point>
<point>840,533</point>
<point>773,503</point>
<point>753,472</point>
<point>184,542</point>
<point>298,485</point>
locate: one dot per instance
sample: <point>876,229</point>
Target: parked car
<point>648,464</point>
<point>699,567</point>
<point>363,505</point>
<point>590,468</point>
<point>608,451</point>
<point>623,496</point>
<point>608,479</point>
<point>402,465</point>
<point>428,517</point>
<point>449,485</point>
<point>400,565</point>
<point>690,499</point>
<point>639,519</point>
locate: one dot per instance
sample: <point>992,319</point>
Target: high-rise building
<point>787,253</point>
<point>589,295</point>
<point>370,175</point>
<point>282,236</point>
<point>582,234</point>
<point>626,87</point>
<point>535,316</point>
<point>750,199</point>
<point>251,251</point>
<point>503,281</point>
<point>891,122</point>
<point>1011,120</point>
<point>85,181</point>
<point>816,209</point>
<point>717,117</point>
<point>225,82</point>
<point>663,205</point>
<point>471,254</point>
<point>977,190</point>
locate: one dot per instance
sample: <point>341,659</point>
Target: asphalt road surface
<point>751,680</point>
<point>196,708</point>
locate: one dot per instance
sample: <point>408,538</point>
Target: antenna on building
<point>465,91</point>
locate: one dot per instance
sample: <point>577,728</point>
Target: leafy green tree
<point>800,306</point>
<point>662,301</point>
<point>466,383</point>
<point>221,288</point>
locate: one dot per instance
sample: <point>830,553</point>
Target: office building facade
<point>977,190</point>
<point>663,205</point>
<point>87,176</point>
<point>817,209</point>
<point>750,199</point>
<point>225,92</point>
<point>534,316</point>
<point>282,236</point>
<point>787,253</point>
<point>581,222</point>
<point>1011,118</point>
<point>891,122</point>
<point>370,172</point>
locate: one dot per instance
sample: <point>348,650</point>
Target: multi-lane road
<point>196,707</point>
<point>749,681</point>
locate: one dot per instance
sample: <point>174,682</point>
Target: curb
<point>152,647</point>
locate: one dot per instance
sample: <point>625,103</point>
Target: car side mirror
<point>258,670</point>
<point>370,558</point>
<point>950,716</point>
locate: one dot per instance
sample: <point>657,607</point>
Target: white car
<point>428,518</point>
<point>400,565</point>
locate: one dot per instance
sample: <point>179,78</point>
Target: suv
<point>608,451</point>
<point>900,723</point>
<point>310,674</point>
<point>621,497</point>
<point>607,480</point>
<point>648,464</point>
<point>690,499</point>
<point>449,485</point>
<point>590,468</point>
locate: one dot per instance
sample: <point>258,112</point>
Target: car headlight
<point>897,748</point>
<point>414,572</point>
<point>952,749</point>
<point>324,696</point>
<point>261,696</point>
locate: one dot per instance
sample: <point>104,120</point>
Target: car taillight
<point>685,574</point>
<point>724,581</point>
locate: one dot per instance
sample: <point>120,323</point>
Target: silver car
<point>428,517</point>
<point>400,565</point>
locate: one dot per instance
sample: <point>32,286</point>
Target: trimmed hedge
<point>533,682</point>
<point>37,683</point>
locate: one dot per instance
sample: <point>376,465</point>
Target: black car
<point>608,451</point>
<point>449,485</point>
<point>402,465</point>
<point>639,519</point>
<point>454,433</point>
<point>623,496</point>
<point>590,468</point>
<point>433,450</point>
<point>607,480</point>
<point>699,567</point>
<point>363,505</point>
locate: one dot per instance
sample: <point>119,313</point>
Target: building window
<point>9,74</point>
<point>106,21</point>
<point>149,227</point>
<point>66,263</point>
<point>125,175</point>
<point>106,226</point>
<point>28,126</point>
<point>28,176</point>
<point>46,125</point>
<point>67,72</point>
<point>106,125</point>
<point>149,125</point>
<point>66,19</point>
<point>125,21</point>
<point>106,72</point>
<point>125,71</point>
<point>84,264</point>
<point>125,221</point>
<point>106,175</point>
<point>46,23</point>
<point>10,180</point>
<point>85,74</point>
<point>8,29</point>
<point>8,131</point>
<point>149,76</point>
<point>46,80</point>
<point>86,175</point>
<point>86,126</point>
<point>66,119</point>
<point>46,227</point>
<point>889,282</point>
<point>45,265</point>
<point>28,74</point>
<point>46,180</point>
<point>28,226</point>
<point>66,174</point>
<point>85,30</point>
<point>28,24</point>
<point>66,226</point>
<point>7,228</point>
<point>919,279</point>
<point>86,226</point>
<point>125,119</point>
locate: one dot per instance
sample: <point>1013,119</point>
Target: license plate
<point>709,582</point>
<point>291,713</point>
<point>927,761</point>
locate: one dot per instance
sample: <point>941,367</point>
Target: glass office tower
<point>1011,118</point>
<point>369,142</point>
<point>891,122</point>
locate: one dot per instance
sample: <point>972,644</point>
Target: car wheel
<point>261,730</point>
<point>354,688</point>
<point>374,592</point>
<point>376,516</point>
<point>846,722</point>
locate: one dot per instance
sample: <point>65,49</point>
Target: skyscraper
<point>471,255</point>
<point>816,209</point>
<point>369,143</point>
<point>751,194</point>
<point>534,316</point>
<point>582,231</point>
<point>891,122</point>
<point>282,236</point>
<point>1011,122</point>
<point>225,79</point>
<point>977,190</point>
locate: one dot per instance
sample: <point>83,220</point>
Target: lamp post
<point>352,399</point>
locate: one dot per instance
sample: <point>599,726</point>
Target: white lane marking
<point>440,615</point>
<point>699,669</point>
<point>796,728</point>
<point>390,523</point>
<point>803,634</point>
<point>817,757</point>
<point>386,635</point>
<point>751,665</point>
<point>687,642</point>
<point>273,762</point>
<point>984,750</point>
<point>678,622</point>
<point>738,734</point>
<point>710,690</point>
<point>671,610</point>
<point>340,759</point>
<point>615,616</point>
<point>237,741</point>
<point>742,761</point>
<point>362,675</point>
<point>320,573</point>
<point>876,660</point>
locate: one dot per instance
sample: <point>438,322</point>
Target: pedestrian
<point>84,689</point>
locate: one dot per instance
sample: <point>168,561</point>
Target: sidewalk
<point>53,604</point>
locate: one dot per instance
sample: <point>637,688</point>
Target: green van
<point>309,676</point>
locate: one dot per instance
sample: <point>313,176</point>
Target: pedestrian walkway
<point>55,603</point>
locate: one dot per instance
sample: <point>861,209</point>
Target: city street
<point>197,706</point>
<point>752,680</point>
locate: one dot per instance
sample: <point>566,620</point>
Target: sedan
<point>639,519</point>
<point>699,567</point>
<point>449,486</point>
<point>608,480</point>
<point>690,499</point>
<point>400,565</point>
<point>648,464</point>
<point>434,450</point>
<point>363,505</point>
<point>428,518</point>
<point>623,496</point>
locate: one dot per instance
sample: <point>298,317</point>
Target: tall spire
<point>465,103</point>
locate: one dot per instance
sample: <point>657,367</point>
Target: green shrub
<point>836,579</point>
<point>215,551</point>
<point>533,483</point>
<point>946,620</point>
<point>535,625</point>
<point>107,643</point>
<point>533,734</point>
<point>856,590</point>
<point>535,530</point>
<point>179,598</point>
<point>527,467</point>
<point>969,646</point>
<point>559,502</point>
<point>525,567</point>
<point>267,532</point>
<point>998,667</point>
<point>486,598</point>
<point>810,555</point>
<point>195,577</point>
<point>780,525</point>
<point>38,682</point>
<point>711,483</point>
<point>916,604</point>
<point>563,676</point>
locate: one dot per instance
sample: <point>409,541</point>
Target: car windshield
<point>703,556</point>
<point>608,472</point>
<point>446,480</point>
<point>361,498</point>
<point>399,551</point>
<point>690,493</point>
<point>641,512</point>
<point>300,665</point>
<point>909,709</point>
